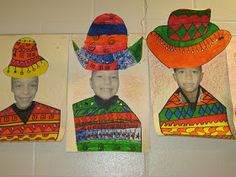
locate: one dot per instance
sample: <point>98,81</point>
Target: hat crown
<point>107,24</point>
<point>24,49</point>
<point>107,34</point>
<point>108,18</point>
<point>186,24</point>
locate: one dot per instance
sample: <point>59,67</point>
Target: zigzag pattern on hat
<point>189,25</point>
<point>189,40</point>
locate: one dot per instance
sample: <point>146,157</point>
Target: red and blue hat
<point>105,47</point>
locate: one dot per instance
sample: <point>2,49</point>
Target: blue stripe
<point>124,58</point>
<point>115,134</point>
<point>109,29</point>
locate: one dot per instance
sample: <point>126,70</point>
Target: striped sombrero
<point>105,47</point>
<point>189,40</point>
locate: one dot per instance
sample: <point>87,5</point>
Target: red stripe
<point>114,117</point>
<point>97,66</point>
<point>109,126</point>
<point>105,49</point>
<point>30,129</point>
<point>201,120</point>
<point>25,63</point>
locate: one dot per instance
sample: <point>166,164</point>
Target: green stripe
<point>162,31</point>
<point>189,12</point>
<point>89,107</point>
<point>163,118</point>
<point>110,145</point>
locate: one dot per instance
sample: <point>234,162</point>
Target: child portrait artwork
<point>191,52</point>
<point>26,119</point>
<point>104,120</point>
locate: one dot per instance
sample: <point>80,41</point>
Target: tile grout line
<point>33,159</point>
<point>145,9</point>
<point>93,9</point>
<point>193,4</point>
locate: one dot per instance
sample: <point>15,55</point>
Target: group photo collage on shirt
<point>101,89</point>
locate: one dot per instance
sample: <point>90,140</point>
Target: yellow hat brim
<point>34,70</point>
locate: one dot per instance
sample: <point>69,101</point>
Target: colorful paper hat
<point>105,47</point>
<point>189,40</point>
<point>26,62</point>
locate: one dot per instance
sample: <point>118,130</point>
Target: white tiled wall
<point>168,157</point>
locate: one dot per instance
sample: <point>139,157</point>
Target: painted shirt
<point>43,124</point>
<point>209,119</point>
<point>101,127</point>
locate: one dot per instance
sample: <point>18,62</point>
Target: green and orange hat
<point>188,40</point>
<point>25,62</point>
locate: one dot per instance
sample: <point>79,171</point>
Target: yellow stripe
<point>29,138</point>
<point>209,124</point>
<point>31,122</point>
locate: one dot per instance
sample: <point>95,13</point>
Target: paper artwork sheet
<point>94,125</point>
<point>33,81</point>
<point>190,77</point>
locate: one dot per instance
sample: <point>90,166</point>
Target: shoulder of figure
<point>84,104</point>
<point>43,108</point>
<point>7,111</point>
<point>121,104</point>
<point>208,98</point>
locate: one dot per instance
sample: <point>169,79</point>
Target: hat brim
<point>188,56</point>
<point>114,61</point>
<point>34,70</point>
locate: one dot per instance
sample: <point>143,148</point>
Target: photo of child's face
<point>105,84</point>
<point>188,79</point>
<point>24,91</point>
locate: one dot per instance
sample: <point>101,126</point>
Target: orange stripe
<point>182,57</point>
<point>174,101</point>
<point>105,49</point>
<point>114,117</point>
<point>198,120</point>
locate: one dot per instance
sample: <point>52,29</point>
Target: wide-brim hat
<point>26,62</point>
<point>105,47</point>
<point>189,40</point>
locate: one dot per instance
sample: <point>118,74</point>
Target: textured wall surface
<point>168,156</point>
